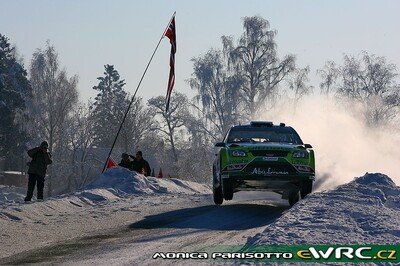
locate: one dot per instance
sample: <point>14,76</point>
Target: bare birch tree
<point>171,121</point>
<point>254,59</point>
<point>369,81</point>
<point>54,97</point>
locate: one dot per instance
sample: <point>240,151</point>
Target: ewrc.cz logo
<point>223,255</point>
<point>338,253</point>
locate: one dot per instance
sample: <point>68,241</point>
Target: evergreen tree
<point>14,91</point>
<point>109,106</point>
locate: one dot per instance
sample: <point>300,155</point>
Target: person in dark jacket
<point>37,170</point>
<point>140,165</point>
<point>125,162</point>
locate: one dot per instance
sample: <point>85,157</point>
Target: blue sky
<point>89,34</point>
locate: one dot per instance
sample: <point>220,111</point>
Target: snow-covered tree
<point>80,136</point>
<point>14,92</point>
<point>109,106</point>
<point>254,59</point>
<point>170,122</point>
<point>370,82</point>
<point>54,99</point>
<point>217,92</point>
<point>137,125</point>
<point>235,84</point>
<point>299,84</point>
<point>108,111</point>
<point>329,74</point>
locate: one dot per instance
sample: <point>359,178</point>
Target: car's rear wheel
<point>306,188</point>
<point>294,197</point>
<point>227,189</point>
<point>217,195</point>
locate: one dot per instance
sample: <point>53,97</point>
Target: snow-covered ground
<point>117,196</point>
<point>11,194</point>
<point>124,218</point>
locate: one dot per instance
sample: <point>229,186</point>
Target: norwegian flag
<point>171,34</point>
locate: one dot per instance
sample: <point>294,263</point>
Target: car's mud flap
<point>286,194</point>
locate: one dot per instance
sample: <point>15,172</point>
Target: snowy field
<point>123,218</point>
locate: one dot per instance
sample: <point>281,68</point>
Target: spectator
<point>140,165</point>
<point>125,162</point>
<point>37,170</point>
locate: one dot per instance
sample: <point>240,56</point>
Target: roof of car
<point>258,124</point>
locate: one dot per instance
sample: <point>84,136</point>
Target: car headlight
<point>304,168</point>
<point>300,154</point>
<point>238,153</point>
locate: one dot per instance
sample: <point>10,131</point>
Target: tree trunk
<point>171,139</point>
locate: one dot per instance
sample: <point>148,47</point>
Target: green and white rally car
<point>263,156</point>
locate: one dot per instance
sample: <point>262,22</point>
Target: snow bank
<point>10,194</point>
<point>124,181</point>
<point>366,210</point>
<point>112,185</point>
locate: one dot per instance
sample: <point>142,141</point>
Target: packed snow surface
<point>366,210</point>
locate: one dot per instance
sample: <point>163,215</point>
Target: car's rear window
<point>263,134</point>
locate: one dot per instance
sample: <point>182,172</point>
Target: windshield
<point>262,135</point>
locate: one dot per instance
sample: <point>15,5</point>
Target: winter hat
<point>44,144</point>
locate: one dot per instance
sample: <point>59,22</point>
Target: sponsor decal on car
<point>270,159</point>
<point>268,171</point>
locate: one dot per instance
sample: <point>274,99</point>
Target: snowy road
<point>125,218</point>
<point>193,226</point>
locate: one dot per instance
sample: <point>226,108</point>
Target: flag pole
<point>137,88</point>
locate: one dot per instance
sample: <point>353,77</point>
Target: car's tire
<point>306,188</point>
<point>227,189</point>
<point>217,195</point>
<point>294,197</point>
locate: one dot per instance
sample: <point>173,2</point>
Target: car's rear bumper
<point>278,175</point>
<point>269,183</point>
<point>265,173</point>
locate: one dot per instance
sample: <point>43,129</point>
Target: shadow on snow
<point>238,216</point>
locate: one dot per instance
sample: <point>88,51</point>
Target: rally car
<point>263,156</point>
